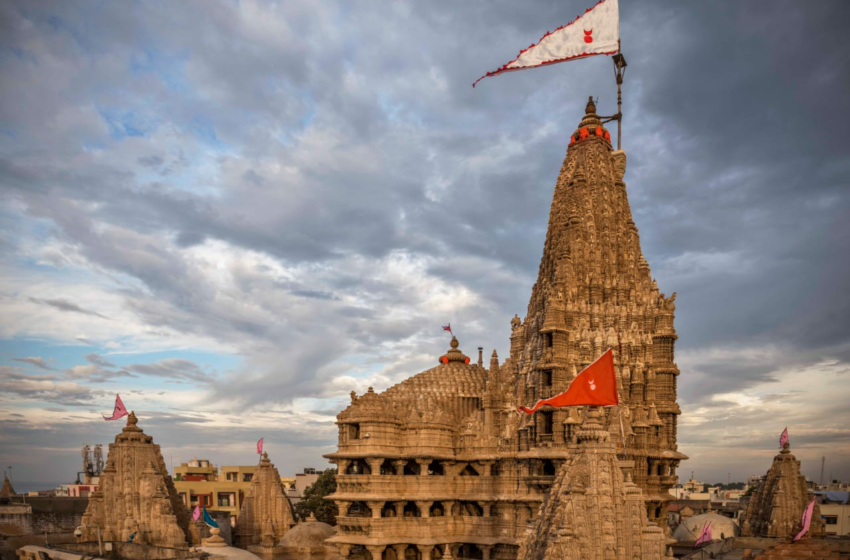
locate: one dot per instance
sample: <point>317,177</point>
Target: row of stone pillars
<point>424,507</point>
<point>425,552</point>
<point>399,464</point>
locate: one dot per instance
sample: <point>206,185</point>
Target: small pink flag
<point>449,329</point>
<point>196,514</point>
<point>705,536</point>
<point>806,522</point>
<point>120,410</point>
<point>783,439</point>
<point>260,447</point>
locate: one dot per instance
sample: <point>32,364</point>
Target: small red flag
<point>260,446</point>
<point>449,328</point>
<point>596,385</point>
<point>120,410</point>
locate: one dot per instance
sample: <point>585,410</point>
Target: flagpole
<point>619,72</point>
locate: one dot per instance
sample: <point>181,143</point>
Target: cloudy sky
<point>235,213</point>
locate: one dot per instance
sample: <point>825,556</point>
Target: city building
<point>443,457</point>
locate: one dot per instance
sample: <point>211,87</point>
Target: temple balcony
<point>411,529</point>
<point>409,487</point>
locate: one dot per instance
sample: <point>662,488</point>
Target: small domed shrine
<point>722,527</point>
<point>777,505</point>
<point>137,497</point>
<point>217,548</point>
<point>306,540</point>
<point>441,465</point>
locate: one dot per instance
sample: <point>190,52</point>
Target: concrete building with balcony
<point>442,465</point>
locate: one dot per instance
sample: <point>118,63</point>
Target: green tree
<point>314,499</point>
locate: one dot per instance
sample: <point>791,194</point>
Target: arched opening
<point>388,510</point>
<point>437,510</point>
<point>359,509</point>
<point>358,466</point>
<point>548,468</point>
<point>469,551</point>
<point>436,468</point>
<point>387,467</point>
<point>359,552</point>
<point>411,468</point>
<point>471,509</point>
<point>412,553</point>
<point>659,469</point>
<point>411,510</point>
<point>468,470</point>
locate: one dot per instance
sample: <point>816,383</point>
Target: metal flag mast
<point>619,72</point>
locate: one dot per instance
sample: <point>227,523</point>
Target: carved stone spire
<point>593,511</point>
<point>137,495</point>
<point>777,505</point>
<point>266,513</point>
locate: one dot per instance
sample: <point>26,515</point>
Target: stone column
<point>486,507</point>
<point>399,508</point>
<point>488,466</point>
<point>399,551</point>
<point>376,508</point>
<point>485,548</point>
<point>425,550</point>
<point>448,505</point>
<point>423,466</point>
<point>399,466</point>
<point>344,550</point>
<point>343,465</point>
<point>342,507</point>
<point>424,508</point>
<point>376,551</point>
<point>375,465</point>
<point>448,551</point>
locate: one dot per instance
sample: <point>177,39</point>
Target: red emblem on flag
<point>588,36</point>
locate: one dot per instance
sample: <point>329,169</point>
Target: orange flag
<point>596,385</point>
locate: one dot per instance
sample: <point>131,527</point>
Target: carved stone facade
<point>136,496</point>
<point>593,510</point>
<point>266,513</point>
<point>441,465</point>
<point>776,507</point>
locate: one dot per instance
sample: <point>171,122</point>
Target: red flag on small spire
<point>783,439</point>
<point>120,410</point>
<point>449,328</point>
<point>260,446</point>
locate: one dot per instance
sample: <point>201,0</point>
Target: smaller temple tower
<point>266,513</point>
<point>777,505</point>
<point>6,491</point>
<point>593,511</point>
<point>137,498</point>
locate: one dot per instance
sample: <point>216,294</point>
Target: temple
<point>777,505</point>
<point>137,501</point>
<point>441,465</point>
<point>266,513</point>
<point>593,510</point>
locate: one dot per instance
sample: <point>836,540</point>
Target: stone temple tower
<point>137,497</point>
<point>441,465</point>
<point>777,505</point>
<point>594,291</point>
<point>593,511</point>
<point>266,513</point>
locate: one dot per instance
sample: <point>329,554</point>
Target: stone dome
<point>307,535</point>
<point>689,529</point>
<point>229,552</point>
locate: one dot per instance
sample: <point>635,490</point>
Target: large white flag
<point>595,32</point>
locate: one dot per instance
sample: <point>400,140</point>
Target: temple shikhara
<point>266,513</point>
<point>137,500</point>
<point>441,465</point>
<point>775,507</point>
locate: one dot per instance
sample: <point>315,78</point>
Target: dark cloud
<point>316,197</point>
<point>47,388</point>
<point>99,361</point>
<point>65,305</point>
